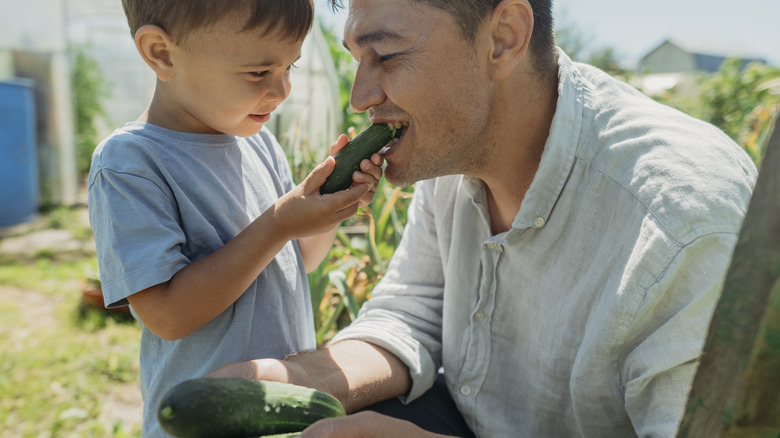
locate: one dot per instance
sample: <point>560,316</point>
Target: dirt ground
<point>123,402</point>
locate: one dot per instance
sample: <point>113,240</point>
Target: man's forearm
<point>357,373</point>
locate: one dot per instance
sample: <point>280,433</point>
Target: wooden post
<point>736,390</point>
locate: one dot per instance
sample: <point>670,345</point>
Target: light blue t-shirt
<point>159,200</point>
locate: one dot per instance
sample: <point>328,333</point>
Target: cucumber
<point>282,435</point>
<point>365,144</point>
<point>233,407</point>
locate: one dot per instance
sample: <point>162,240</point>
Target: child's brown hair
<point>285,18</point>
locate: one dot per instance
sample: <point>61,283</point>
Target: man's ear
<point>155,44</point>
<point>511,25</point>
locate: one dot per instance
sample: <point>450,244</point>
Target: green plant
<point>345,69</point>
<point>89,89</point>
<point>92,274</point>
<point>358,260</point>
<point>577,44</point>
<point>738,99</point>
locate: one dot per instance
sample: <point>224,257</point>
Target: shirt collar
<point>559,150</point>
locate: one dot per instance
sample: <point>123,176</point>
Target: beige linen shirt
<point>586,319</point>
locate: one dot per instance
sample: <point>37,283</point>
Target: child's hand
<point>303,211</point>
<point>370,170</point>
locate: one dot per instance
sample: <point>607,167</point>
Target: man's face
<point>415,68</point>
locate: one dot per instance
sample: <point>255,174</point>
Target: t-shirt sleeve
<point>137,233</point>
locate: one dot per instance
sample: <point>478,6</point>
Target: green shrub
<point>89,90</point>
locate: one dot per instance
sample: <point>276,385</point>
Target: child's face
<point>228,81</point>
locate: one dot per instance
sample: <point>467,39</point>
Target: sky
<point>633,29</point>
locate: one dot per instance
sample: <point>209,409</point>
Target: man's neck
<point>519,137</point>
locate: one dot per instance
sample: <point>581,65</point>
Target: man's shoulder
<point>688,174</point>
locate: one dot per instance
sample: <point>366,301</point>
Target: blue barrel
<point>18,159</point>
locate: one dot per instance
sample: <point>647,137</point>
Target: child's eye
<point>292,66</point>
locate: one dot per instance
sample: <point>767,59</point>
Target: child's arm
<point>203,289</point>
<point>315,248</point>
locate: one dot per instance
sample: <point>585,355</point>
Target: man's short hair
<point>469,15</point>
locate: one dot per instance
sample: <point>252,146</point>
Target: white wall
<point>32,25</point>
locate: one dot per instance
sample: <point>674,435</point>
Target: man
<point>565,246</point>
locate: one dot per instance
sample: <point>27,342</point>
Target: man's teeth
<point>398,125</point>
<point>389,145</point>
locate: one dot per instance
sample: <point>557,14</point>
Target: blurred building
<point>674,56</point>
<point>36,39</point>
<point>674,64</point>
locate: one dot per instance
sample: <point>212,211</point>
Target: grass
<point>66,370</point>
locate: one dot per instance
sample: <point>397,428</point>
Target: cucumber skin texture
<point>282,435</point>
<point>365,144</point>
<point>233,407</point>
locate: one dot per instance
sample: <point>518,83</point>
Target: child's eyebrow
<point>373,38</point>
<point>268,63</point>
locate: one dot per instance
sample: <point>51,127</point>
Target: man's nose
<point>366,89</point>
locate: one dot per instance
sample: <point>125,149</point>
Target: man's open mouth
<point>398,126</point>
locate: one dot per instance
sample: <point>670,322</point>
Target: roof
<point>708,57</point>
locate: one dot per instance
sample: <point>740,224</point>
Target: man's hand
<point>365,424</point>
<point>370,170</point>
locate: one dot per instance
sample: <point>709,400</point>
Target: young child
<point>198,224</point>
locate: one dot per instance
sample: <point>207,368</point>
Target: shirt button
<point>479,316</point>
<point>492,245</point>
<point>465,390</point>
<point>539,222</point>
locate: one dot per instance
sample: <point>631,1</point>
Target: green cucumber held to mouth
<point>365,144</point>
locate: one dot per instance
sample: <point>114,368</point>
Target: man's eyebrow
<point>373,38</point>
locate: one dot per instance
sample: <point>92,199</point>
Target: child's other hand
<point>303,211</point>
<point>370,170</point>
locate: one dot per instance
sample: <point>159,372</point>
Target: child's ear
<point>155,44</point>
<point>512,23</point>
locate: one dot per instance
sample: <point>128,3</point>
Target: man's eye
<point>259,74</point>
<point>385,58</point>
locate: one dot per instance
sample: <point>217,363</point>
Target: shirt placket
<point>477,356</point>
